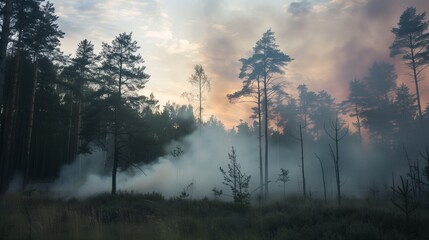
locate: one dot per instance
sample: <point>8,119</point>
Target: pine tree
<point>377,112</point>
<point>412,43</point>
<point>124,75</point>
<point>4,40</point>
<point>266,63</point>
<point>24,18</point>
<point>356,104</point>
<point>77,78</point>
<point>200,84</point>
<point>42,40</point>
<point>251,91</point>
<point>236,180</point>
<point>404,114</point>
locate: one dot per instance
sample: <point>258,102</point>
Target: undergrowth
<point>151,216</point>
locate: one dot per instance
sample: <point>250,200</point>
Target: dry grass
<point>150,216</point>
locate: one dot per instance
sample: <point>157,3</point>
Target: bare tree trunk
<point>11,120</point>
<point>115,153</point>
<point>5,32</point>
<point>302,161</point>
<point>416,80</point>
<point>260,139</point>
<point>69,132</point>
<point>266,135</point>
<point>335,156</point>
<point>116,131</point>
<point>7,120</point>
<point>30,122</point>
<point>323,175</point>
<point>79,121</point>
<point>200,98</point>
<point>337,170</point>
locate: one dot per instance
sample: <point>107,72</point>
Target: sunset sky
<point>332,41</point>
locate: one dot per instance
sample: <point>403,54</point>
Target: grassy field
<point>150,216</point>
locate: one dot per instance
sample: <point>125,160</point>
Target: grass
<point>150,216</point>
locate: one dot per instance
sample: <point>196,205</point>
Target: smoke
<point>204,152</point>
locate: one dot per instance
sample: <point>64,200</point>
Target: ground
<point>150,216</point>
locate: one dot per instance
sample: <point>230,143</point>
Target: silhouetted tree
<point>356,104</point>
<point>268,61</point>
<point>307,100</point>
<point>411,42</point>
<point>338,134</point>
<point>404,113</point>
<point>25,14</point>
<point>283,178</point>
<point>377,111</point>
<point>200,84</point>
<point>4,40</point>
<point>236,180</point>
<point>124,75</point>
<point>78,78</point>
<point>302,160</point>
<point>50,124</point>
<point>323,175</point>
<point>406,204</point>
<point>323,110</point>
<point>40,41</point>
<point>251,91</point>
<point>289,117</point>
<point>244,130</point>
<point>6,142</point>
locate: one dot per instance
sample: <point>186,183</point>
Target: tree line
<point>389,115</point>
<point>55,107</point>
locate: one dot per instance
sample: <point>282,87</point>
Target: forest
<point>85,154</point>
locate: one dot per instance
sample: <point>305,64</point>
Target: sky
<point>331,41</point>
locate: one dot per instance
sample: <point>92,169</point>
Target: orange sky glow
<point>331,41</point>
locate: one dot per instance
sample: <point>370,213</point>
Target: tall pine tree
<point>124,75</point>
<point>412,42</point>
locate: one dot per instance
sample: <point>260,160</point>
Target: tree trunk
<point>5,32</point>
<point>115,154</point>
<point>302,162</point>
<point>358,124</point>
<point>323,176</point>
<point>79,122</point>
<point>7,120</point>
<point>70,133</point>
<point>260,139</point>
<point>266,135</point>
<point>337,170</point>
<point>13,105</point>
<point>116,131</point>
<point>416,80</point>
<point>30,123</point>
<point>201,108</point>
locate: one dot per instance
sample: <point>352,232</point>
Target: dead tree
<point>302,159</point>
<point>336,137</point>
<point>323,175</point>
<point>301,140</point>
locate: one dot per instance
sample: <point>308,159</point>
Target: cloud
<point>332,41</point>
<point>299,8</point>
<point>103,19</point>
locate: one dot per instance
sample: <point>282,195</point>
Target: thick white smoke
<point>203,153</point>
